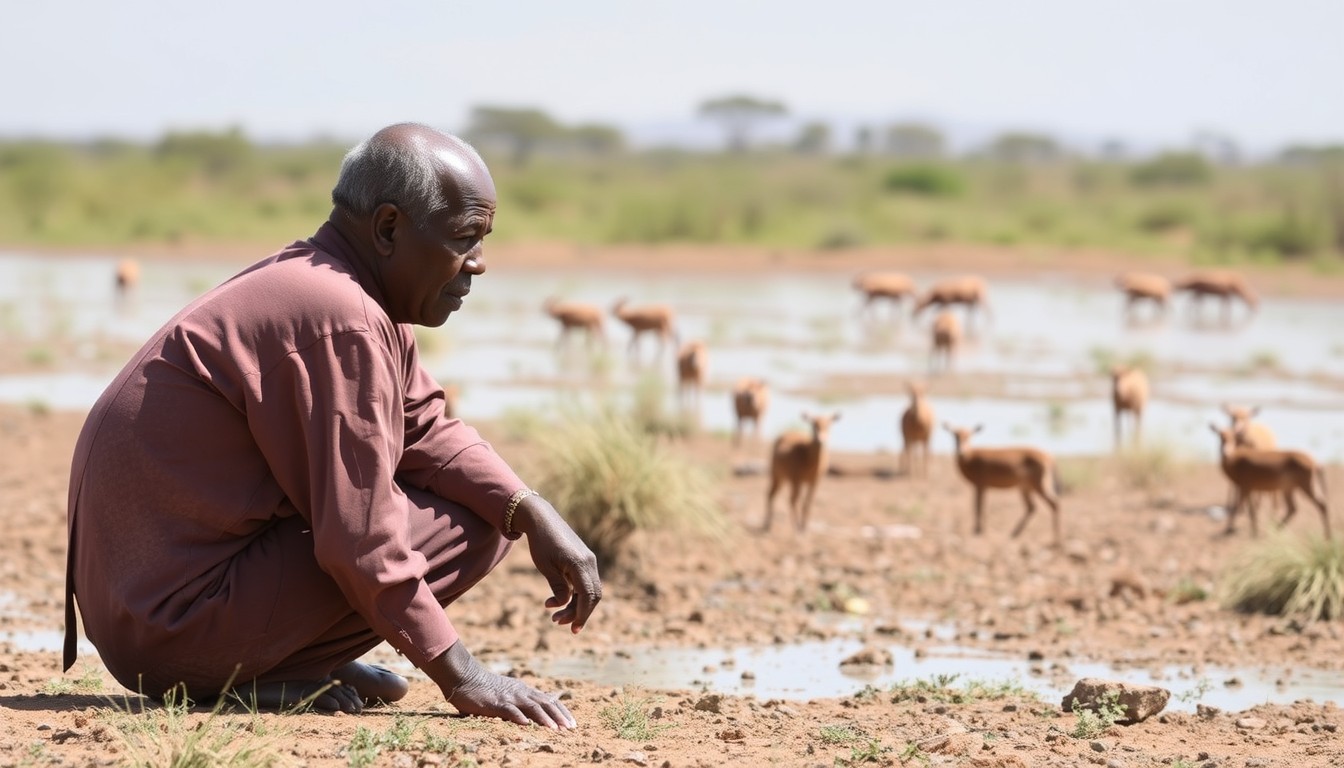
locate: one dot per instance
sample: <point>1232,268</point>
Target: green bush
<point>925,180</point>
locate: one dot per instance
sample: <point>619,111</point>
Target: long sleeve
<point>329,419</point>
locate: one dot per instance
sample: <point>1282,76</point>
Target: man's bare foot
<point>349,689</point>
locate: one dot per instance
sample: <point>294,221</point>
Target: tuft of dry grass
<point>610,478</point>
<point>1289,576</point>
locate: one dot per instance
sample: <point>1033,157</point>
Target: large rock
<point>1140,702</point>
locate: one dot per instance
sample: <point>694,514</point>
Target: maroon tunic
<point>272,474</point>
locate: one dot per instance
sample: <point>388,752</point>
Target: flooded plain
<point>1032,371</point>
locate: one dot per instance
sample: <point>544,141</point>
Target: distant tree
<point>596,138</point>
<point>1114,151</point>
<point>1172,169</point>
<point>519,130</point>
<point>863,140</point>
<point>813,139</point>
<point>914,140</point>
<point>740,115</point>
<point>215,154</point>
<point>1017,148</point>
<point>1219,148</point>
<point>1307,156</point>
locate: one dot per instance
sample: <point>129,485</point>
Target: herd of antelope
<point>1249,457</point>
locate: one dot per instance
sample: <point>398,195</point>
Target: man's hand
<point>475,690</point>
<point>563,559</point>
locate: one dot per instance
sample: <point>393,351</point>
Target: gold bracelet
<point>518,496</point>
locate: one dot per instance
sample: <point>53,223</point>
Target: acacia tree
<point>521,130</point>
<point>739,115</point>
<point>915,140</point>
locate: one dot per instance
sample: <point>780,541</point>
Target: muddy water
<point>1045,343</point>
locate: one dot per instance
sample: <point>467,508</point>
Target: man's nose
<point>475,262</point>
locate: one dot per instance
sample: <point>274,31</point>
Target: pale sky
<point>1264,72</point>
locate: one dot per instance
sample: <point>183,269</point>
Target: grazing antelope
<point>657,319</point>
<point>946,337</point>
<point>1143,287</point>
<point>575,317</point>
<point>800,459</point>
<point>1030,470</point>
<point>916,429</point>
<point>969,291</point>
<point>692,366</point>
<point>751,398</point>
<point>1222,285</point>
<point>1129,394</point>
<point>892,287</point>
<point>1254,470</point>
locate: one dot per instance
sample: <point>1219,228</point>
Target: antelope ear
<point>835,416</point>
<point>807,416</point>
<point>1255,411</point>
<point>977,429</point>
<point>948,427</point>
<point>1215,429</point>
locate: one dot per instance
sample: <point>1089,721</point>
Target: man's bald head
<point>412,166</point>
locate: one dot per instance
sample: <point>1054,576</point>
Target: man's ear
<point>386,219</point>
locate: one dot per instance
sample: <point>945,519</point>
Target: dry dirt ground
<point>1056,606</point>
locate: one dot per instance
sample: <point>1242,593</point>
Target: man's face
<point>432,264</point>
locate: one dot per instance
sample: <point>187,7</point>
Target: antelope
<point>657,319</point>
<point>1129,394</point>
<point>1030,470</point>
<point>692,362</point>
<point>889,286</point>
<point>575,317</point>
<point>969,291</point>
<point>1221,285</point>
<point>751,398</point>
<point>1249,434</point>
<point>800,459</point>
<point>1141,286</point>
<point>916,429</point>
<point>946,338</point>
<point>1255,470</point>
<point>127,278</point>
<point>451,396</point>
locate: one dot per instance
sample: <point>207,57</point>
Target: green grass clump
<point>405,734</point>
<point>629,718</point>
<point>1288,576</point>
<point>941,688</point>
<point>1091,723</point>
<point>610,478</point>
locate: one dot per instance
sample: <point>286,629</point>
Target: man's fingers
<point>560,590</point>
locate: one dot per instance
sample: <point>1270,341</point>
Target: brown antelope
<point>946,338</point>
<point>800,459</point>
<point>1030,470</point>
<point>1221,285</point>
<point>916,429</point>
<point>657,319</point>
<point>127,278</point>
<point>1140,287</point>
<point>575,317</point>
<point>751,398</point>
<point>892,287</point>
<point>1129,394</point>
<point>692,367</point>
<point>1249,434</point>
<point>451,396</point>
<point>969,291</point>
<point>1253,470</point>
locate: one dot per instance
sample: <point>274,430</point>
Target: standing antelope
<point>969,291</point>
<point>1140,287</point>
<point>892,287</point>
<point>1222,285</point>
<point>657,319</point>
<point>1129,394</point>
<point>575,317</point>
<point>1249,434</point>
<point>800,459</point>
<point>1030,470</point>
<point>916,429</point>
<point>692,367</point>
<point>946,337</point>
<point>1255,470</point>
<point>751,398</point>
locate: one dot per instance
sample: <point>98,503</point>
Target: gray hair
<point>382,170</point>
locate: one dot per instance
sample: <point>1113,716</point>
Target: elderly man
<point>270,488</point>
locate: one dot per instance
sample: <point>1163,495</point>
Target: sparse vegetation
<point>1288,575</point>
<point>174,735</point>
<point>90,681</point>
<point>629,718</point>
<point>610,478</point>
<point>1091,723</point>
<point>1148,467</point>
<point>405,734</point>
<point>941,688</point>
